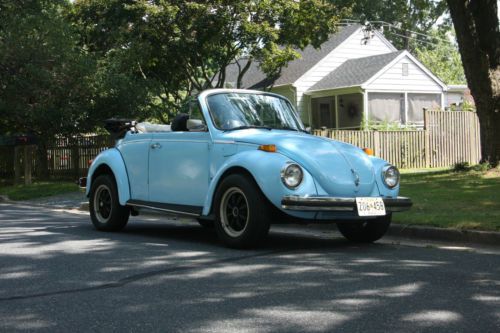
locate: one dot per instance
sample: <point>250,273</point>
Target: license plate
<point>370,206</point>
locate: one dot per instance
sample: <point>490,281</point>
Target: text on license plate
<point>370,206</point>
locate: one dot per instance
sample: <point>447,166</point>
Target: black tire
<point>106,212</point>
<point>205,223</point>
<point>242,212</point>
<point>367,231</point>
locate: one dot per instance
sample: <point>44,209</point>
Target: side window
<point>196,121</point>
<point>195,111</point>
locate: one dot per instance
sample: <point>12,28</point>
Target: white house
<point>355,74</point>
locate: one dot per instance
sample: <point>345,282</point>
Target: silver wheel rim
<point>234,212</point>
<point>103,203</point>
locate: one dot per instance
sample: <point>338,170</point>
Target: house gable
<point>414,78</point>
<point>351,48</point>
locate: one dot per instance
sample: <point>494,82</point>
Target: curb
<point>441,234</point>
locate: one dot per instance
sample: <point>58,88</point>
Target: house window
<point>405,69</point>
<point>418,102</point>
<point>386,107</point>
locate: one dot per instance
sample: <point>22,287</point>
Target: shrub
<point>461,167</point>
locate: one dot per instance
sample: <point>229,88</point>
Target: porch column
<point>365,106</point>
<point>336,112</point>
<point>406,107</point>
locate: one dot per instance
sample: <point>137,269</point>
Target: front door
<point>178,168</point>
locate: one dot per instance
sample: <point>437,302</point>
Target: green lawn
<point>37,190</point>
<point>463,200</point>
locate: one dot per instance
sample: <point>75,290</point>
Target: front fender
<point>265,168</point>
<point>114,161</point>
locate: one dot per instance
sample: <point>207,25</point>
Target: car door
<point>179,167</point>
<point>135,153</point>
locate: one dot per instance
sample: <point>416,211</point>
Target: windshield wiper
<point>293,129</point>
<point>247,127</point>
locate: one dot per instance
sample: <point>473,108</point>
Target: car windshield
<point>232,111</point>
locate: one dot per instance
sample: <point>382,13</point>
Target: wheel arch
<point>235,169</point>
<point>111,162</point>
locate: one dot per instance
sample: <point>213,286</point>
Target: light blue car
<point>240,161</point>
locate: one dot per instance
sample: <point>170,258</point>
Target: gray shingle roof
<point>355,72</point>
<point>310,56</point>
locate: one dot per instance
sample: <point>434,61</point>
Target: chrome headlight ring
<point>390,176</point>
<point>292,175</point>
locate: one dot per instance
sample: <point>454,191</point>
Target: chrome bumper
<point>335,204</point>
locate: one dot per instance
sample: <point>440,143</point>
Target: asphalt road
<point>57,274</point>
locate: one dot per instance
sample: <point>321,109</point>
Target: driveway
<point>57,274</point>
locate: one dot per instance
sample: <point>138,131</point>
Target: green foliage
<point>443,59</point>
<point>45,78</point>
<point>177,48</point>
<point>417,15</point>
<point>461,167</point>
<point>385,126</point>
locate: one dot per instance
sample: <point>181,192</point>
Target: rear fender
<point>107,161</point>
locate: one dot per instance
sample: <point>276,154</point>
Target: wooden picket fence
<point>448,137</point>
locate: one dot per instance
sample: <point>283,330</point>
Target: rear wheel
<point>106,212</point>
<point>242,214</point>
<point>367,231</point>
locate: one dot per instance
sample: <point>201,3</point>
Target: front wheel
<point>242,213</point>
<point>367,231</point>
<point>105,210</point>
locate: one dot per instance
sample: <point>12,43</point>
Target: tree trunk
<point>478,36</point>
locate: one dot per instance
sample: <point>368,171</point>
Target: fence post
<point>376,143</point>
<point>27,159</point>
<point>427,140</point>
<point>75,159</point>
<point>17,164</point>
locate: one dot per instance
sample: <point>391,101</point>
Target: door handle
<point>155,146</point>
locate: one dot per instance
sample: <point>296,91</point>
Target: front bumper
<point>337,204</point>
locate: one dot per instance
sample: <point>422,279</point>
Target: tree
<point>441,56</point>
<point>478,36</point>
<point>43,75</point>
<point>45,79</point>
<point>404,16</point>
<point>182,47</point>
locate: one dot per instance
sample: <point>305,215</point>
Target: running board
<point>168,208</point>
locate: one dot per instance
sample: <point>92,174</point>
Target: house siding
<point>392,79</point>
<point>351,48</point>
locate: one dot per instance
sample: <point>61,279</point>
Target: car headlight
<point>291,175</point>
<point>390,175</point>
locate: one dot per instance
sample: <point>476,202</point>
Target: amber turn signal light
<point>268,148</point>
<point>368,151</point>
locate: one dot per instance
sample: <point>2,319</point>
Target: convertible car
<point>239,161</point>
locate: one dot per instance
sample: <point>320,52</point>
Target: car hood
<point>340,169</point>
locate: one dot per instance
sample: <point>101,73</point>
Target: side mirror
<point>308,130</point>
<point>196,125</point>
